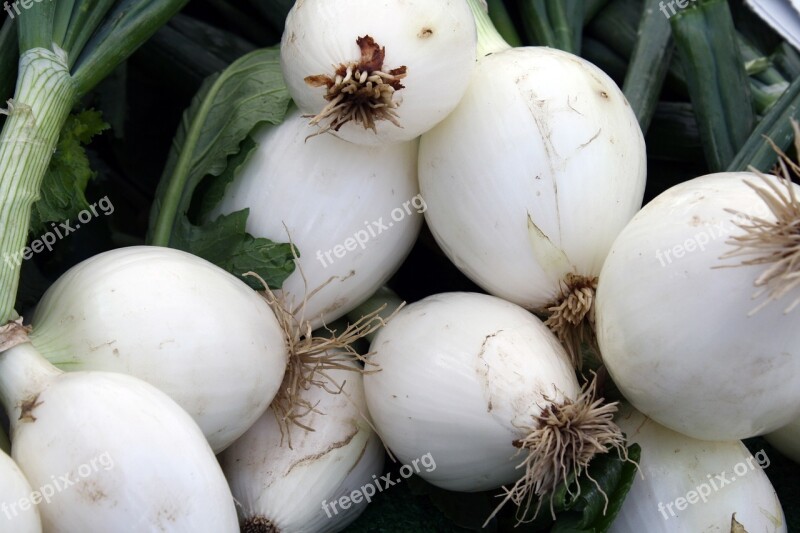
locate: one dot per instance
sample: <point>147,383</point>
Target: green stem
<point>503,22</point>
<point>777,126</point>
<point>489,39</point>
<point>169,209</point>
<point>553,23</point>
<point>649,64</point>
<point>718,84</point>
<point>44,97</point>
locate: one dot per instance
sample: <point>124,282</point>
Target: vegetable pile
<point>412,265</point>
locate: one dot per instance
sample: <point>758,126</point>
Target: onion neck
<point>44,96</point>
<point>24,373</point>
<point>489,39</point>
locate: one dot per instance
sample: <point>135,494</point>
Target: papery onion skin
<point>319,194</point>
<point>435,40</point>
<point>461,376</point>
<point>539,133</point>
<point>287,485</point>
<point>674,331</point>
<point>672,465</point>
<point>174,320</point>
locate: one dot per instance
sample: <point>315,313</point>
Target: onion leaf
<point>226,109</point>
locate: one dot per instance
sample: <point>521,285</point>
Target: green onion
<point>649,63</point>
<point>716,78</point>
<point>776,125</point>
<point>66,49</point>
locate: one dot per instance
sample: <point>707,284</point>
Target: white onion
<point>678,335</point>
<point>174,320</point>
<point>18,510</point>
<point>531,178</point>
<point>675,466</point>
<point>117,453</point>
<point>325,193</point>
<point>285,487</point>
<point>471,379</point>
<point>435,40</point>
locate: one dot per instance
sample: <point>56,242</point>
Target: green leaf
<point>215,128</point>
<point>125,27</point>
<point>225,243</point>
<point>588,512</point>
<point>213,190</point>
<point>62,192</point>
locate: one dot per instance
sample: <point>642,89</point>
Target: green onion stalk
<point>66,47</point>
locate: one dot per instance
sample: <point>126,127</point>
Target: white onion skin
<point>460,375</point>
<point>435,39</point>
<point>676,338</point>
<point>787,440</point>
<point>288,485</point>
<point>673,464</point>
<point>539,132</point>
<point>323,191</point>
<point>13,489</point>
<point>163,476</point>
<point>174,320</point>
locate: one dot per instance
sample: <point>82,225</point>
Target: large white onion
<point>462,376</point>
<point>118,454</point>
<point>325,193</point>
<point>677,334</point>
<point>174,320</point>
<point>435,40</point>
<point>542,138</point>
<point>675,466</point>
<point>286,487</point>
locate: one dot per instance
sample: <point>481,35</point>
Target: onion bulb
<point>378,72</point>
<point>352,212</point>
<point>174,320</point>
<point>476,381</point>
<point>283,477</point>
<point>532,177</point>
<point>692,338</point>
<point>690,485</point>
<point>110,450</point>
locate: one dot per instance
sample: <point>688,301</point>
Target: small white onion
<point>283,488</point>
<point>435,40</point>
<point>325,193</point>
<point>115,451</point>
<point>174,320</point>
<point>675,466</point>
<point>677,333</point>
<point>461,376</point>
